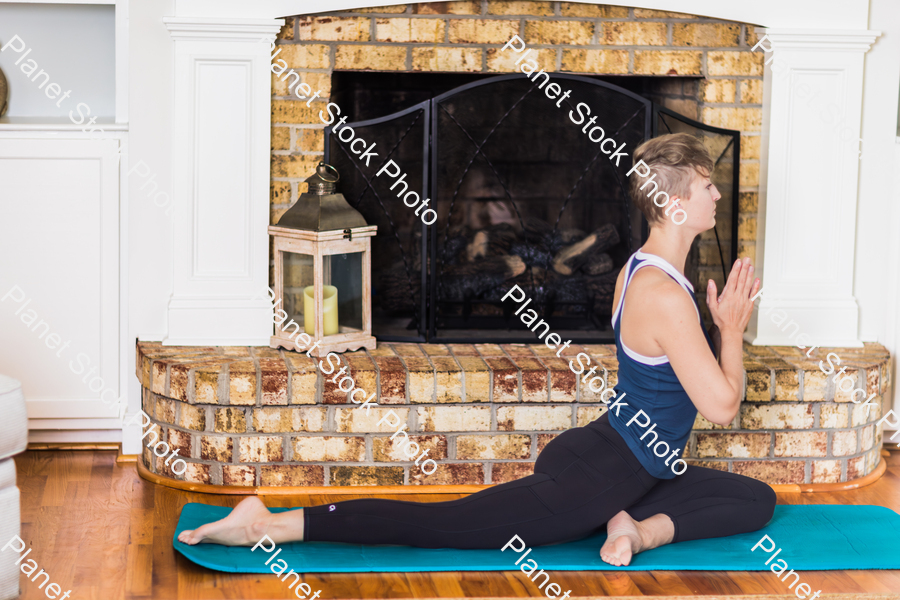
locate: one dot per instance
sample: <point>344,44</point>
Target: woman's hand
<point>732,309</point>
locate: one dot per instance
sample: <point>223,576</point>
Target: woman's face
<point>701,206</point>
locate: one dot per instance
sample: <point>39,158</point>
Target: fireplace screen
<point>525,192</point>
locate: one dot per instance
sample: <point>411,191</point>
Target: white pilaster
<point>220,173</point>
<point>808,186</point>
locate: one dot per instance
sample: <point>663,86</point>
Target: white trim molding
<point>809,176</point>
<point>222,30</point>
<point>220,174</point>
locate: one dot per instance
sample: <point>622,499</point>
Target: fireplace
<point>523,197</point>
<point>239,408</point>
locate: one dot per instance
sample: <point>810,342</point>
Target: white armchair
<point>13,439</point>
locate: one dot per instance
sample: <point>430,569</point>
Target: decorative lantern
<point>323,271</point>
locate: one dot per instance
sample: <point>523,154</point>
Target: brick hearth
<point>257,416</point>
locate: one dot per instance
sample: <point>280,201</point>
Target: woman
<point>605,472</point>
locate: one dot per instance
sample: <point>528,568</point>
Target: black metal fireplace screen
<point>523,198</point>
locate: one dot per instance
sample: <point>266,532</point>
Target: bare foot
<point>623,540</point>
<point>245,526</point>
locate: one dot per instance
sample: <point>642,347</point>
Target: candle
<point>330,313</point>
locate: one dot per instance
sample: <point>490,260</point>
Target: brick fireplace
<point>251,416</point>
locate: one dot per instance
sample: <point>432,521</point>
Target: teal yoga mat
<point>812,537</point>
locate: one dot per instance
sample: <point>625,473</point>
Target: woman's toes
<point>187,537</point>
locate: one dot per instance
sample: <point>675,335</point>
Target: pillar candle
<point>330,313</point>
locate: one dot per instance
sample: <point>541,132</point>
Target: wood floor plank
<point>421,585</point>
<point>140,526</point>
<point>869,582</point>
<point>167,504</point>
<point>36,464</point>
<point>31,488</point>
<point>673,583</point>
<point>659,583</point>
<point>583,583</point>
<point>618,584</point>
<point>830,582</point>
<point>55,488</point>
<point>751,582</point>
<point>477,585</point>
<point>74,552</point>
<point>193,586</point>
<point>382,585</point>
<point>139,573</point>
<point>46,525</point>
<point>78,465</point>
<point>710,582</point>
<point>117,525</point>
<point>446,584</point>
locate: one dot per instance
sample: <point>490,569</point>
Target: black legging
<point>581,480</point>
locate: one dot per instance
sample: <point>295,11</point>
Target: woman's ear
<point>673,203</point>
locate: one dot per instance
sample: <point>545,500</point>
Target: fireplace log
<point>474,279</point>
<point>572,257</point>
<point>602,289</point>
<point>598,265</point>
<point>542,233</point>
<point>452,249</point>
<point>478,247</point>
<point>500,239</point>
<point>580,289</point>
<point>494,241</point>
<point>550,288</point>
<point>533,254</point>
<point>570,236</point>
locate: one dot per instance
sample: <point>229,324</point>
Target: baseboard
<point>74,436</point>
<point>38,446</point>
<point>124,459</point>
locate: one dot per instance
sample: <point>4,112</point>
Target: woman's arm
<point>714,387</point>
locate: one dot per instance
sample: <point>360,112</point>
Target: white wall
<point>150,141</point>
<point>150,55</point>
<point>878,213</point>
<point>877,261</point>
<point>51,30</point>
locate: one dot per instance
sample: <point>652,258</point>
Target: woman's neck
<point>671,244</point>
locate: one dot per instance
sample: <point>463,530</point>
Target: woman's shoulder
<point>655,277</point>
<point>654,288</point>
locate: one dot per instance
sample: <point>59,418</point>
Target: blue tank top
<point>649,384</point>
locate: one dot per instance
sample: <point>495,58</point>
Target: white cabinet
<point>60,277</point>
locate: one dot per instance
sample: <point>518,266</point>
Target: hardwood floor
<point>105,533</point>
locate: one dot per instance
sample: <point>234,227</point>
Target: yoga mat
<point>812,537</point>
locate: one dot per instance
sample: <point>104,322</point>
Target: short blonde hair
<point>675,158</point>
